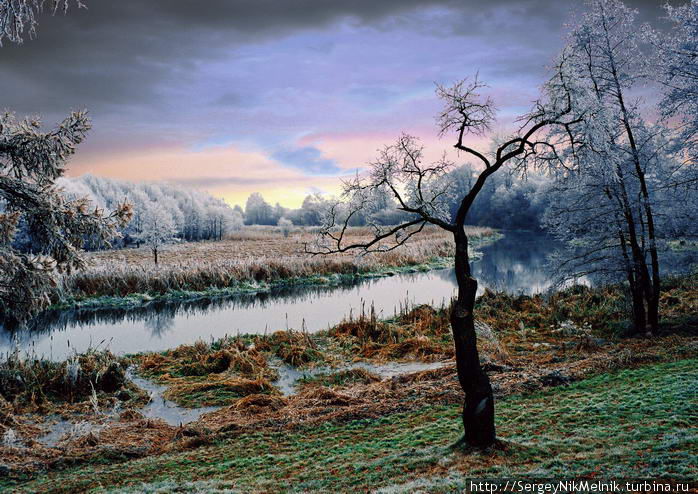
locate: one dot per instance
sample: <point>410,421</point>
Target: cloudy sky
<point>277,96</point>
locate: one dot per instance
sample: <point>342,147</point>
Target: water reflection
<point>161,325</point>
<point>516,263</point>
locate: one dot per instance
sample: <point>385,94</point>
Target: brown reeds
<point>264,258</point>
<point>27,380</point>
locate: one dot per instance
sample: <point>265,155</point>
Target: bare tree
<point>424,191</point>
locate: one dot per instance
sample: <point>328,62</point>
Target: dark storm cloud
<point>130,52</point>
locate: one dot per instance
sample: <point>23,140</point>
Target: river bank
<point>258,261</point>
<point>546,434</point>
<point>527,343</point>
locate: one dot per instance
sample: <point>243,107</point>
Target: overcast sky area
<point>281,97</point>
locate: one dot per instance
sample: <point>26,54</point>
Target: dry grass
<point>205,374</point>
<point>30,383</point>
<point>255,255</point>
<point>540,367</point>
<point>422,333</point>
<point>512,331</point>
<point>525,343</point>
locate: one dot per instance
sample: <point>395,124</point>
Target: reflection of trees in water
<point>159,316</point>
<point>159,323</point>
<point>517,263</point>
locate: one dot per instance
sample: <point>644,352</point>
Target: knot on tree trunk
<point>460,312</point>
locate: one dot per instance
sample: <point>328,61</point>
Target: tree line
<point>180,212</point>
<point>507,202</point>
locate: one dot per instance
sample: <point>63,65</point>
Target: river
<point>516,264</point>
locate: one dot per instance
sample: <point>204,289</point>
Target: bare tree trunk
<point>478,409</point>
<point>636,291</point>
<point>653,285</point>
<point>639,319</point>
<point>653,307</point>
<point>155,255</point>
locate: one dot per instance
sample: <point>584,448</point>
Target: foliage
<point>612,199</point>
<point>158,228</point>
<point>285,226</point>
<point>507,201</point>
<point>678,59</point>
<point>30,163</point>
<point>195,215</point>
<point>19,16</point>
<point>258,211</point>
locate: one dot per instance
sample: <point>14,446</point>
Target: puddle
<point>289,376</point>
<point>61,429</point>
<point>161,408</point>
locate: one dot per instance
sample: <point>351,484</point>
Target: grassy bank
<point>518,332</point>
<point>633,424</point>
<point>528,344</point>
<point>251,261</point>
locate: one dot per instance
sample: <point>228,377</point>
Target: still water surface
<point>516,264</point>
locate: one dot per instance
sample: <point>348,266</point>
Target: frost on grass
<point>167,487</point>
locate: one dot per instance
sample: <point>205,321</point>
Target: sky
<point>283,97</point>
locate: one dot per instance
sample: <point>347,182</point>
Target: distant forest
<point>190,214</point>
<point>507,202</point>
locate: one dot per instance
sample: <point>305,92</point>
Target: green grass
<point>634,424</point>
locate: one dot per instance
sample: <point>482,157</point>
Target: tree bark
<point>639,318</point>
<point>478,409</point>
<point>653,307</point>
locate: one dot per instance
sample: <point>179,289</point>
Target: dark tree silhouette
<point>425,191</point>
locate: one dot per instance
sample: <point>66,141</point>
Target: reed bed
<point>252,257</point>
<point>85,383</point>
<point>526,343</point>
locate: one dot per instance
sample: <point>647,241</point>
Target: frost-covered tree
<point>31,160</point>
<point>679,63</point>
<point>258,211</point>
<point>18,17</point>
<point>197,215</point>
<point>508,200</point>
<point>30,163</point>
<point>285,226</point>
<point>423,191</point>
<point>312,209</point>
<point>158,228</point>
<point>615,160</point>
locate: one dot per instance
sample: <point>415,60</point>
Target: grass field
<point>636,423</point>
<point>253,258</point>
<point>347,429</point>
